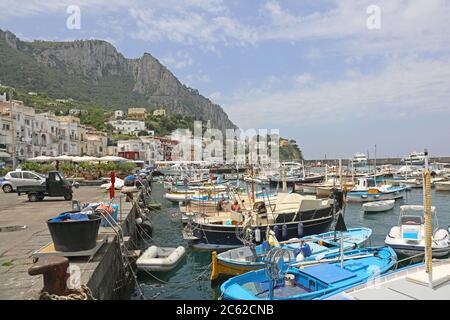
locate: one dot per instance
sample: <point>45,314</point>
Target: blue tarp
<point>70,216</point>
<point>328,273</point>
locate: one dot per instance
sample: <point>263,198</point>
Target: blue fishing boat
<point>366,190</point>
<point>335,273</point>
<point>243,259</point>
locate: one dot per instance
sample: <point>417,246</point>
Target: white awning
<point>41,159</point>
<point>113,159</point>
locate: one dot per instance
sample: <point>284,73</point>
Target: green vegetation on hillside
<point>164,125</point>
<point>290,152</point>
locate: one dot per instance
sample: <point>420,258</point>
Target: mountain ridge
<point>93,70</point>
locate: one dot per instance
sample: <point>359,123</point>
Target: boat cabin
<point>365,183</point>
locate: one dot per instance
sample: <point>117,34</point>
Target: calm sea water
<point>190,280</point>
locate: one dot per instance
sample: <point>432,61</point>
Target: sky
<point>338,76</point>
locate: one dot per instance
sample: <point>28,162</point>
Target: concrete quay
<point>104,273</point>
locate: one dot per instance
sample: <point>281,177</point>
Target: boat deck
<point>408,285</point>
<point>403,289</point>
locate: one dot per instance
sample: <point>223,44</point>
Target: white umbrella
<point>63,158</point>
<point>4,155</point>
<point>113,159</point>
<point>84,159</point>
<point>41,159</point>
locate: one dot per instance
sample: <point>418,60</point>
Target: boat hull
<point>378,206</point>
<point>355,196</point>
<point>223,237</point>
<point>412,250</point>
<point>442,186</point>
<point>313,282</point>
<point>353,238</point>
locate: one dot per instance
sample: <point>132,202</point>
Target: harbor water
<point>190,280</point>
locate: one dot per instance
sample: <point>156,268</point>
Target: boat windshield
<point>371,183</point>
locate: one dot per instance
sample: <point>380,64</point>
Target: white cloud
<point>413,25</point>
<point>197,77</point>
<point>214,96</point>
<point>406,88</point>
<point>188,23</point>
<point>179,60</point>
<point>303,79</point>
<point>27,8</point>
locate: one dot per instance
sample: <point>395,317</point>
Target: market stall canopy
<point>85,159</point>
<point>41,159</point>
<point>4,154</point>
<point>113,159</point>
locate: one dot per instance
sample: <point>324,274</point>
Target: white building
<point>149,148</point>
<point>127,126</point>
<point>119,114</point>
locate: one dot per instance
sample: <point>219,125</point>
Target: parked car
<point>13,179</point>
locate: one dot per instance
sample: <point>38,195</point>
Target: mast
<point>303,169</point>
<point>375,164</point>
<point>252,175</point>
<point>428,222</point>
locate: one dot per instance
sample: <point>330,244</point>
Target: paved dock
<point>17,247</point>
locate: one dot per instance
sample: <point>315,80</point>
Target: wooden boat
<point>292,214</point>
<point>160,258</point>
<point>311,282</point>
<point>179,196</point>
<point>378,206</point>
<point>408,238</point>
<point>185,194</point>
<point>237,261</point>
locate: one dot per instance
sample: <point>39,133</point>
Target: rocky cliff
<point>95,71</point>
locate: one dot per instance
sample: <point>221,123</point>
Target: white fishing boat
<point>366,190</point>
<point>442,186</point>
<point>410,183</point>
<point>378,206</point>
<point>414,158</point>
<point>408,238</point>
<point>179,196</point>
<point>359,160</point>
<point>160,258</point>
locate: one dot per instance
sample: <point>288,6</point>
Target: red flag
<point>112,188</point>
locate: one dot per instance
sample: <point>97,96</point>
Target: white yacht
<point>359,160</point>
<point>414,158</point>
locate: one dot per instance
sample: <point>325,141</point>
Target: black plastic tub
<point>70,235</point>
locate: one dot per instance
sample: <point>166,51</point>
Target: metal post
<point>428,222</point>
<point>341,248</point>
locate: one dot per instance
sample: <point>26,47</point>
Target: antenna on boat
<point>252,175</point>
<point>340,226</point>
<point>428,223</point>
<point>375,164</point>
